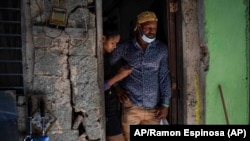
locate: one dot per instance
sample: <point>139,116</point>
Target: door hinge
<point>173,6</point>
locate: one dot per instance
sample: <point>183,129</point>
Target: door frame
<point>174,38</point>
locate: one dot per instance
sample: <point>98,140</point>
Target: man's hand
<point>162,112</point>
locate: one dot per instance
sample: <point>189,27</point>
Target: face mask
<point>146,39</point>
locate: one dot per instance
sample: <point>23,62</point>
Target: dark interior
<point>125,11</point>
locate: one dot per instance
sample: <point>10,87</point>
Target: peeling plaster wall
<point>62,68</point>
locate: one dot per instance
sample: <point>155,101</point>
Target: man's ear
<point>136,27</point>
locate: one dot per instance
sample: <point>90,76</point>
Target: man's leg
<point>150,118</point>
<point>131,115</point>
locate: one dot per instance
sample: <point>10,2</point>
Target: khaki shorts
<point>133,115</point>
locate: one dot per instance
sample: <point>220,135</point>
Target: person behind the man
<point>148,87</point>
<point>111,37</point>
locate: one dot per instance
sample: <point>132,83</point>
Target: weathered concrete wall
<point>191,63</point>
<point>63,71</point>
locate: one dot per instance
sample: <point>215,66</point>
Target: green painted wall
<point>227,35</point>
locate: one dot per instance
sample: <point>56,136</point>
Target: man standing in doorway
<point>148,87</point>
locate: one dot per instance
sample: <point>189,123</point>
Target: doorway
<point>169,31</point>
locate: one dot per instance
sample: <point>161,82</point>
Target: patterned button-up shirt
<point>149,83</point>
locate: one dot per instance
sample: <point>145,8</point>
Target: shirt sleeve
<point>164,77</point>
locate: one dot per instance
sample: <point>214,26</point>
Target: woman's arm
<point>122,73</point>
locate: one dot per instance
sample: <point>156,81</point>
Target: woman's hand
<point>121,94</point>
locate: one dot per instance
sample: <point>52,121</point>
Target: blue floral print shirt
<point>149,83</point>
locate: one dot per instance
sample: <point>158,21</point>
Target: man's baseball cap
<point>145,16</point>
